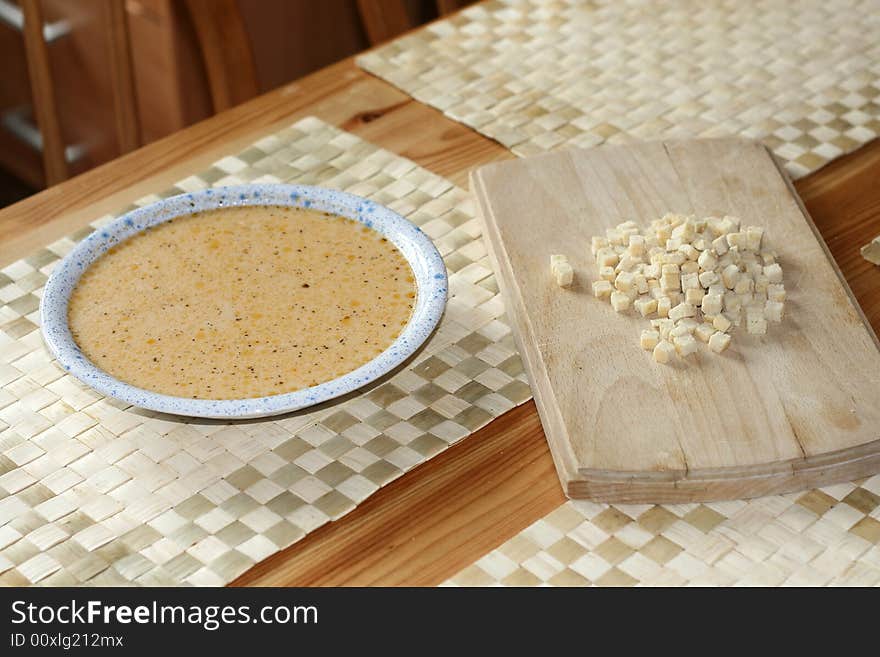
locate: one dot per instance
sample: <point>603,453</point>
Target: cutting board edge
<point>727,483</point>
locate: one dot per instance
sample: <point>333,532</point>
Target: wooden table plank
<point>451,510</point>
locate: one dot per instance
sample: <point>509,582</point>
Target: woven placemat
<point>826,536</point>
<point>803,77</point>
<point>95,492</point>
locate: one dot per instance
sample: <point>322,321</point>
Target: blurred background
<point>84,81</point>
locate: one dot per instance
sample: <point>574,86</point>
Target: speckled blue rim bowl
<point>417,248</point>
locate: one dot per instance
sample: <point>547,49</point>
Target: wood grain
<point>797,408</point>
<point>843,199</point>
<point>384,20</point>
<point>122,86</point>
<point>226,51</point>
<point>43,92</point>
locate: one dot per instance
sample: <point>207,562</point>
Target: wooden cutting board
<point>797,408</point>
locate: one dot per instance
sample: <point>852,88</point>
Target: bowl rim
<point>417,248</point>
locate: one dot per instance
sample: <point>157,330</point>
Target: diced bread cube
<point>737,240</point>
<point>684,232</point>
<point>606,257</point>
<point>561,270</point>
<point>681,329</point>
<point>689,252</point>
<point>676,258</point>
<point>712,304</point>
<point>690,281</point>
<point>602,289</point>
<point>773,273</point>
<point>707,261</point>
<point>730,276</point>
<point>645,306</point>
<point>776,292</point>
<point>753,270</point>
<point>681,311</point>
<point>619,301</point>
<point>685,344</point>
<point>665,327</point>
<point>607,273</point>
<point>670,282</point>
<point>721,323</point>
<point>664,352</point>
<point>624,281</point>
<point>744,285</point>
<point>616,237</point>
<point>628,263</point>
<point>753,238</point>
<point>649,339</point>
<point>564,274</point>
<point>704,331</point>
<point>719,342</point>
<point>664,305</point>
<point>694,296</point>
<point>708,278</point>
<point>636,245</point>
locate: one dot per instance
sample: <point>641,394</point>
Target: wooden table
<point>450,511</point>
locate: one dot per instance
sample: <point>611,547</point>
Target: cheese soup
<point>242,302</point>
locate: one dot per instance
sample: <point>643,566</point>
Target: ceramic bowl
<point>416,247</point>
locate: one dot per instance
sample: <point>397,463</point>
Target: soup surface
<point>242,302</point>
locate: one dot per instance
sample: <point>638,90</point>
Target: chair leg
<point>226,51</point>
<point>43,93</point>
<point>125,108</point>
<point>448,6</point>
<point>384,19</point>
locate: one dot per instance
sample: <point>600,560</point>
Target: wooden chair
<point>45,104</point>
<point>226,51</point>
<point>386,19</point>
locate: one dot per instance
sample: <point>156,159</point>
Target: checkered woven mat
<point>815,538</point>
<point>803,77</point>
<point>95,492</point>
